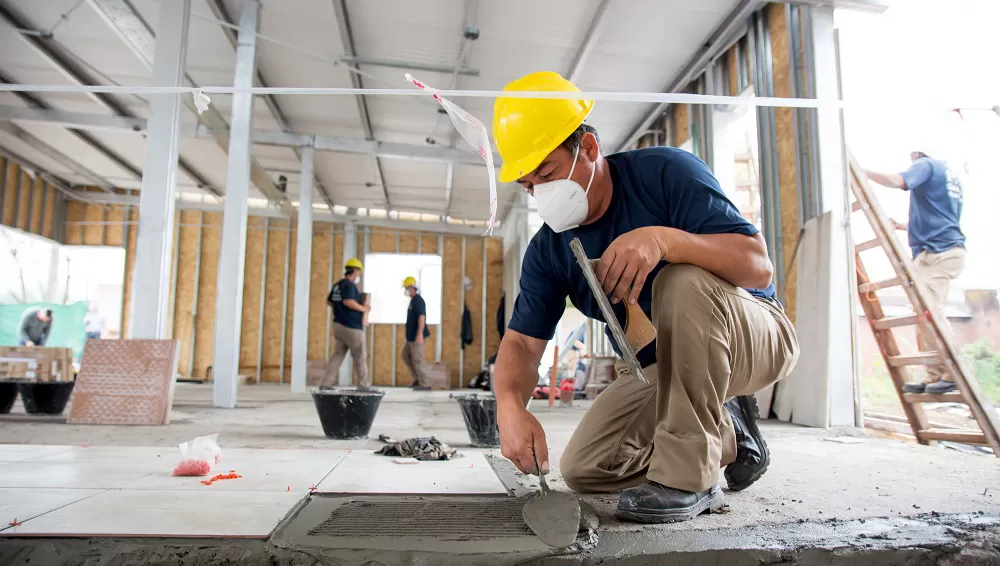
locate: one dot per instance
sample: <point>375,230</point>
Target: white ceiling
<point>643,44</point>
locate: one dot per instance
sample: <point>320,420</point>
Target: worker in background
<point>36,327</point>
<point>670,241</point>
<point>416,333</point>
<point>348,328</point>
<point>935,238</point>
<point>93,322</point>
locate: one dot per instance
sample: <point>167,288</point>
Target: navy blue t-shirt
<point>657,186</point>
<point>345,289</point>
<point>935,206</point>
<point>417,307</point>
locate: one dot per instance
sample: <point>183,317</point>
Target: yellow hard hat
<point>526,130</point>
<point>355,263</point>
<point>409,282</point>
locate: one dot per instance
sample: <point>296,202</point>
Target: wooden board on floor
<point>125,382</point>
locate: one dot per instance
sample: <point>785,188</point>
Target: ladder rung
<point>864,246</point>
<point>896,321</point>
<point>953,397</point>
<point>966,436</point>
<point>876,285</point>
<point>921,359</point>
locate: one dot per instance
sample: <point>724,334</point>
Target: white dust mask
<point>563,204</point>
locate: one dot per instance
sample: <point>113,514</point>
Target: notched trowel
<point>640,330</point>
<point>553,516</point>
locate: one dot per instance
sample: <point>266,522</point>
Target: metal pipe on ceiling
<point>412,65</point>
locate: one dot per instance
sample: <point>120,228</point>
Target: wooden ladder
<point>947,355</point>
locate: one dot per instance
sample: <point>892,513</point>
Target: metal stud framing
<point>461,350</point>
<point>263,289</point>
<point>439,330</point>
<point>329,285</point>
<point>194,300</point>
<point>284,302</point>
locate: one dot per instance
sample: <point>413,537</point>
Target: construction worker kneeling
<point>416,333</point>
<point>669,241</point>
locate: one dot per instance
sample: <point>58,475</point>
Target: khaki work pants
<point>715,341</point>
<point>345,339</point>
<point>413,357</point>
<point>937,271</point>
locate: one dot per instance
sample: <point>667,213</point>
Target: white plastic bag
<point>198,456</point>
<point>475,134</point>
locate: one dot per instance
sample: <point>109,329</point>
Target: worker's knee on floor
<point>573,471</point>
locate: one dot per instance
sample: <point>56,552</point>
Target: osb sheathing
<point>380,347</point>
<point>37,193</point>
<point>494,290</point>
<point>733,66</point>
<point>211,239</point>
<point>276,254</point>
<point>682,125</point>
<point>93,227</point>
<point>290,311</point>
<point>133,218</point>
<point>474,301</point>
<point>451,304</point>
<point>187,259</point>
<point>429,245</point>
<point>319,274</point>
<point>338,274</point>
<point>75,215</point>
<point>12,173</point>
<point>250,320</point>
<point>785,135</point>
<point>24,197</point>
<point>114,231</point>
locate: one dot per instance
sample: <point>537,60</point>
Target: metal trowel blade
<point>554,517</point>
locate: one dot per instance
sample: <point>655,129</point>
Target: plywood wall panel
<point>24,198</point>
<point>93,216</point>
<point>408,242</point>
<point>338,274</point>
<point>451,304</point>
<point>133,216</point>
<point>37,193</point>
<point>474,300</point>
<point>682,127</point>
<point>733,66</point>
<point>290,312</point>
<point>380,347</point>
<point>253,266</point>
<point>75,211</point>
<point>11,172</point>
<point>114,231</point>
<point>49,211</point>
<point>494,290</point>
<point>211,239</point>
<point>276,253</point>
<point>785,135</point>
<point>319,273</point>
<point>187,259</point>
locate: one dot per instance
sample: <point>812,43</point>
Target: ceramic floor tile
<point>22,504</point>
<point>362,472</point>
<point>166,514</point>
<point>282,471</point>
<point>18,452</point>
<point>84,475</point>
<point>133,454</point>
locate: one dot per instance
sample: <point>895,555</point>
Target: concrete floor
<point>941,499</point>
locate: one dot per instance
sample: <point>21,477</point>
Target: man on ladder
<point>935,238</point>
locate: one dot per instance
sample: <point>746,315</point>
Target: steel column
<point>263,288</point>
<point>232,254</point>
<point>303,275</point>
<point>150,292</point>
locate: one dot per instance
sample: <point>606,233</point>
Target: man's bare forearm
<point>740,259</point>
<point>516,370</point>
<point>891,180</point>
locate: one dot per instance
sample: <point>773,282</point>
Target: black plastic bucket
<point>8,393</point>
<point>47,398</point>
<point>347,413</point>
<point>480,414</point>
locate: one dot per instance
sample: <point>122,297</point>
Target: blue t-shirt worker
<point>670,242</point>
<point>935,238</point>
<point>348,327</point>
<point>416,333</point>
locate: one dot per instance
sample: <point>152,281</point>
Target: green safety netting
<point>67,324</point>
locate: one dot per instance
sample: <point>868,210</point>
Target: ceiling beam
<point>55,180</point>
<point>125,21</point>
<point>589,41</point>
<point>50,50</point>
<point>221,13</point>
<point>411,65</point>
<point>732,25</point>
<point>85,121</point>
<point>56,155</point>
<point>347,41</point>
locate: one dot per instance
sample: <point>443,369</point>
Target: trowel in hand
<point>552,515</point>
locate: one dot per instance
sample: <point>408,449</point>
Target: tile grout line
<point>99,492</point>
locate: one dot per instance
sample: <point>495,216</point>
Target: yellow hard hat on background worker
<point>526,130</point>
<point>355,263</point>
<point>409,282</point>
